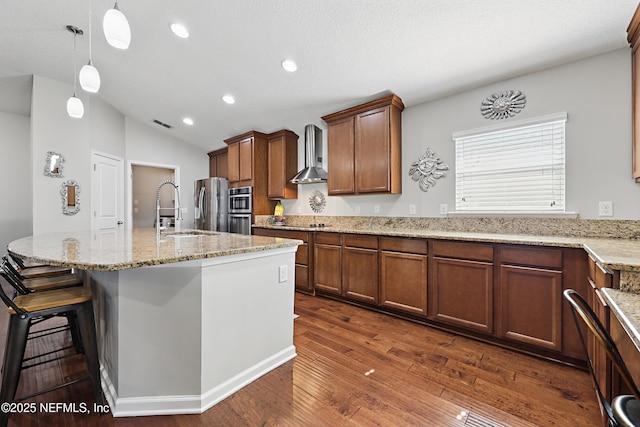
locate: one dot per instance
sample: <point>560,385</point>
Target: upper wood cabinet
<point>219,163</point>
<point>247,167</point>
<point>364,147</point>
<point>282,154</point>
<point>633,36</point>
<point>247,158</point>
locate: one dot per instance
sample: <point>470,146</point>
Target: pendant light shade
<point>116,28</point>
<point>75,108</point>
<point>89,76</point>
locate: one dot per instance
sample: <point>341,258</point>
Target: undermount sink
<point>190,233</point>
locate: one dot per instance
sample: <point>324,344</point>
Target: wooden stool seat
<point>47,283</point>
<point>45,270</point>
<point>38,301</point>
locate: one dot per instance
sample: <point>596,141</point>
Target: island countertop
<point>138,247</point>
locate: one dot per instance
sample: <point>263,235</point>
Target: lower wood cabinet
<point>403,275</point>
<point>508,294</point>
<point>531,308</point>
<point>327,253</point>
<point>462,293</point>
<point>360,268</point>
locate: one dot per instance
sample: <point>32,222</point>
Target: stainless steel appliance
<point>312,171</point>
<point>240,210</point>
<point>210,204</point>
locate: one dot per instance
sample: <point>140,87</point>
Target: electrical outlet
<point>443,209</point>
<point>283,272</point>
<point>605,208</point>
<point>358,209</point>
<point>412,209</point>
<point>299,209</point>
<point>376,209</point>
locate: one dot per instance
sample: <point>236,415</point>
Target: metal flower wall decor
<point>427,169</point>
<point>503,105</point>
<point>317,201</point>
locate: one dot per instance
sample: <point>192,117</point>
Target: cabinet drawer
<point>361,241</point>
<point>399,244</point>
<point>473,251</point>
<point>328,238</point>
<point>538,257</point>
<point>302,256</point>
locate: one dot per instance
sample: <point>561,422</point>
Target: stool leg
<point>87,324</point>
<point>72,319</point>
<point>12,364</point>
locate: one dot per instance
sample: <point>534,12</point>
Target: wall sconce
<point>75,108</point>
<point>116,28</point>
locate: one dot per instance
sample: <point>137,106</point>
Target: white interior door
<point>107,186</point>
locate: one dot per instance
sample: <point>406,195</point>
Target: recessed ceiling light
<point>187,121</point>
<point>228,99</point>
<point>289,65</point>
<point>179,30</point>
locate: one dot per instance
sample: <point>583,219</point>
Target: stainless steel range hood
<point>312,171</point>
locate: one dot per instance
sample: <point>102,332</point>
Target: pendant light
<point>89,76</point>
<point>75,108</point>
<point>116,28</point>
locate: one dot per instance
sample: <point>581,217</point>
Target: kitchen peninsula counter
<point>185,320</point>
<point>124,249</point>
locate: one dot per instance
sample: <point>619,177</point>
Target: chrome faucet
<point>158,208</point>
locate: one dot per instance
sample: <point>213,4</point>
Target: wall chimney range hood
<point>312,171</point>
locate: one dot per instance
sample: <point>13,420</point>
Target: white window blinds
<point>519,168</point>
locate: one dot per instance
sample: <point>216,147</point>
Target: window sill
<point>559,215</point>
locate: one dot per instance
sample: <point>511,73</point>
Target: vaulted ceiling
<point>347,51</point>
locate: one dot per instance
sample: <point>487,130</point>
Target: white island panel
<point>180,337</point>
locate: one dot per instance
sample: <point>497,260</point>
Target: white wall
<point>596,94</point>
<point>145,144</point>
<point>101,128</point>
<point>15,174</point>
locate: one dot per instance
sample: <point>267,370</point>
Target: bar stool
<point>43,282</point>
<point>624,410</point>
<point>47,283</point>
<point>24,310</point>
<point>19,268</point>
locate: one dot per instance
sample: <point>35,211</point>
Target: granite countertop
<point>610,253</point>
<point>123,249</point>
<point>626,307</point>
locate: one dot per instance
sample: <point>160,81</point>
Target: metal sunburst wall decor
<point>317,201</point>
<point>427,169</point>
<point>503,105</point>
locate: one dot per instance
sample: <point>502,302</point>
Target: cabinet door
<point>276,168</point>
<point>246,159</point>
<point>327,270</point>
<point>532,306</point>
<point>635,58</point>
<point>340,149</point>
<point>463,293</point>
<point>403,282</point>
<point>601,363</point>
<point>360,274</point>
<point>372,151</point>
<point>233,161</point>
<point>222,165</point>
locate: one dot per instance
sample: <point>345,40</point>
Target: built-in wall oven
<point>240,210</point>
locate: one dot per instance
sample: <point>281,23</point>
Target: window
<point>519,167</point>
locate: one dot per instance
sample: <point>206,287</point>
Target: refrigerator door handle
<point>202,206</point>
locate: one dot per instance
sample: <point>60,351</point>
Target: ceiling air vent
<point>158,122</point>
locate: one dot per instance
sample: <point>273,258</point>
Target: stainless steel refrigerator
<point>211,204</point>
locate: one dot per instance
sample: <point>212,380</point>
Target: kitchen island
<point>185,320</point>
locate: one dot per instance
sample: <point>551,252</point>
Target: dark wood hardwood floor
<point>356,367</point>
